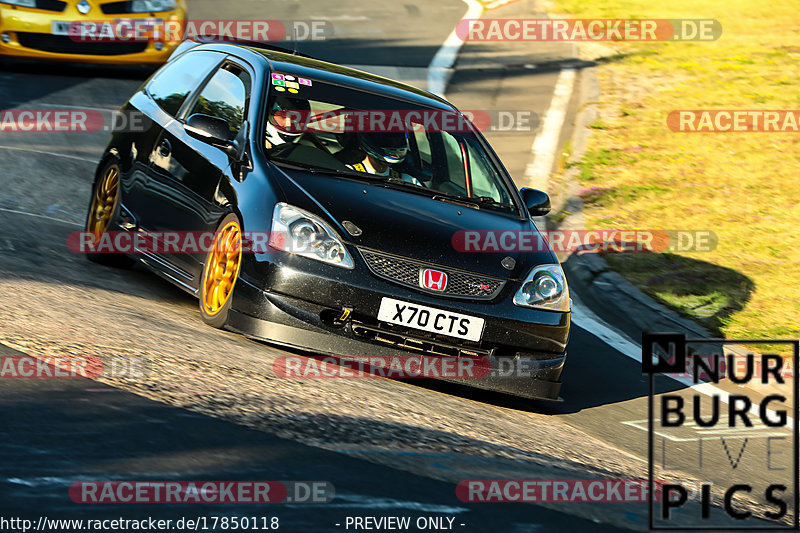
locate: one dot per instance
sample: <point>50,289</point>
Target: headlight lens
<point>299,232</point>
<point>23,3</point>
<point>145,6</point>
<point>544,288</point>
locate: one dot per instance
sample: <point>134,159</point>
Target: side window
<point>423,145</point>
<point>484,177</point>
<point>170,85</point>
<point>225,96</point>
<point>455,164</point>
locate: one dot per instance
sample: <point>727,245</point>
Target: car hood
<point>404,223</point>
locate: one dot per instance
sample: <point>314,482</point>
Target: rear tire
<point>103,211</point>
<point>221,272</point>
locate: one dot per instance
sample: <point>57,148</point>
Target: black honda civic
<point>334,203</point>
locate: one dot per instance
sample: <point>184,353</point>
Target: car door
<point>160,101</point>
<point>192,168</point>
<point>133,146</point>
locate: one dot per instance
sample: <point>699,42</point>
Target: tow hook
<point>344,317</point>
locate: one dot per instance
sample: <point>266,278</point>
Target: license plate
<point>431,319</point>
<point>60,27</point>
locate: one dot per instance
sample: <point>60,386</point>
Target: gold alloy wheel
<point>104,202</point>
<point>222,268</point>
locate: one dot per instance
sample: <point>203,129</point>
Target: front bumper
<point>526,357</point>
<point>30,34</point>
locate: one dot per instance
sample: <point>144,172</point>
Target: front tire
<point>220,272</point>
<point>103,211</point>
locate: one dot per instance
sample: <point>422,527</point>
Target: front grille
<point>120,8</point>
<point>116,8</point>
<point>62,44</point>
<point>51,5</point>
<point>406,272</point>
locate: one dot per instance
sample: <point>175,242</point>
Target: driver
<point>382,150</point>
<point>285,125</point>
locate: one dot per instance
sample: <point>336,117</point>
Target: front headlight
<point>544,288</point>
<point>148,6</point>
<point>23,3</point>
<point>299,232</point>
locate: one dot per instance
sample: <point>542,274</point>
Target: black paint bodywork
<point>172,181</point>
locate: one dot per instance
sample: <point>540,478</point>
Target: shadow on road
<point>701,291</point>
<point>77,70</point>
<point>60,431</point>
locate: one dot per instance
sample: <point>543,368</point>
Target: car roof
<point>304,66</point>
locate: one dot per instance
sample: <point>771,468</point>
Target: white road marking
<point>588,321</point>
<point>17,212</point>
<point>445,58</point>
<point>54,154</point>
<point>545,146</point>
<point>40,481</point>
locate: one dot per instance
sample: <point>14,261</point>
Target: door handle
<point>164,148</point>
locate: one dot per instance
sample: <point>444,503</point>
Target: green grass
<point>745,187</point>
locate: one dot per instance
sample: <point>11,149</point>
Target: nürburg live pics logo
<point>722,433</point>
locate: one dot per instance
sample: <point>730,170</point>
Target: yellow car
<point>91,31</point>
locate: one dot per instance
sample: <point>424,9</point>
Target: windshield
<point>329,128</point>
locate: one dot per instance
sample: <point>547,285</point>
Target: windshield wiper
<point>403,183</point>
<point>474,201</point>
<point>321,170</point>
<point>352,173</point>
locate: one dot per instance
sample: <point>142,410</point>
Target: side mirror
<point>211,130</point>
<point>537,202</point>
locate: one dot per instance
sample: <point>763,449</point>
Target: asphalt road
<point>101,429</point>
<point>385,441</point>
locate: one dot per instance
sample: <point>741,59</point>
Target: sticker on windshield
<point>279,83</point>
<point>304,81</point>
<point>281,89</point>
<point>277,76</point>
